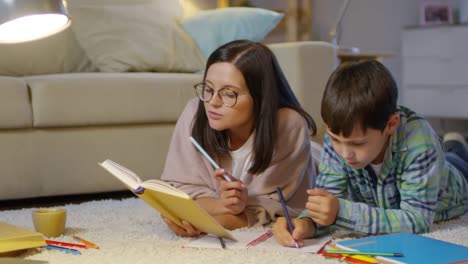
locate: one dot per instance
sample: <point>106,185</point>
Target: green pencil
<point>365,253</point>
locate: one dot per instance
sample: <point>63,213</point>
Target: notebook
<point>13,238</point>
<point>415,248</point>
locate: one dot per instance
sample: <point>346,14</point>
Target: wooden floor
<point>62,200</point>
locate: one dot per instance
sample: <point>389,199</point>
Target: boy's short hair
<point>359,93</point>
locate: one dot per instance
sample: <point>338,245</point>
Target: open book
<point>13,238</point>
<point>171,202</point>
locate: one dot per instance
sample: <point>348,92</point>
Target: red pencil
<point>64,244</point>
<point>260,239</point>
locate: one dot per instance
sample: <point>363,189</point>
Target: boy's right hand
<point>303,228</point>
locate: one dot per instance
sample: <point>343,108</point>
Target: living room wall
<point>376,26</point>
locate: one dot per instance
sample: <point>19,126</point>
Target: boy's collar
<point>398,138</point>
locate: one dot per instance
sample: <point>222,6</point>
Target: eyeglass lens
<point>226,95</point>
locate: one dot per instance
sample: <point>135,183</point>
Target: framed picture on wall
<point>434,12</point>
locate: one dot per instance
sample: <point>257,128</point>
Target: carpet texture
<point>129,231</point>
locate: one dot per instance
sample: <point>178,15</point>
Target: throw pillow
<point>213,28</point>
<point>58,53</point>
<point>134,35</point>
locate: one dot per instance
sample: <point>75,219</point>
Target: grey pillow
<point>134,35</point>
<point>57,53</point>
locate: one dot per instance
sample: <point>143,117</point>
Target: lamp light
<point>26,20</point>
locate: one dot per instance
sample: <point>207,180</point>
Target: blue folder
<point>415,248</point>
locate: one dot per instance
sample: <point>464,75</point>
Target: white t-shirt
<point>242,158</point>
<point>377,168</point>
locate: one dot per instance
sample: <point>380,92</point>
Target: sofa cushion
<point>83,99</point>
<point>15,107</point>
<point>212,28</point>
<point>134,35</point>
<point>57,53</point>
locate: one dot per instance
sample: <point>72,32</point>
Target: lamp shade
<point>26,20</point>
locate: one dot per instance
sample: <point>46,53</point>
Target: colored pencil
<point>64,244</point>
<point>215,165</point>
<point>365,253</point>
<point>286,214</point>
<point>86,242</point>
<point>260,239</point>
<point>64,249</point>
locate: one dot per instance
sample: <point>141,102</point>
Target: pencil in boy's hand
<point>215,165</point>
<point>286,214</point>
<point>86,242</point>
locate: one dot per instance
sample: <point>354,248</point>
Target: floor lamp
<point>26,20</point>
<point>335,31</point>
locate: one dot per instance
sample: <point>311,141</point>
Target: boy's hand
<point>303,228</point>
<point>233,195</point>
<point>322,206</point>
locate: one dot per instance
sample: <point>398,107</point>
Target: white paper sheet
<point>245,237</point>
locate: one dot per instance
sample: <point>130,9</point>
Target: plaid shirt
<point>415,187</point>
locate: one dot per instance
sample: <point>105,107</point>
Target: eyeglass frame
<point>217,92</point>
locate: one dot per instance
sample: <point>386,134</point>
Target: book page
<point>125,175</point>
<point>165,187</point>
<point>245,237</point>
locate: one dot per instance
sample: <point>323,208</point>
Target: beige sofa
<point>54,129</point>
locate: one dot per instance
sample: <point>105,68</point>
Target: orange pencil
<point>86,242</point>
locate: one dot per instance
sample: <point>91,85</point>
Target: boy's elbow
<point>424,228</point>
<point>424,225</point>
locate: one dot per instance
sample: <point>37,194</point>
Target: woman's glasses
<point>226,95</point>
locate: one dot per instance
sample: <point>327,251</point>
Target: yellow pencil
<point>86,242</point>
<point>363,258</point>
<point>367,259</point>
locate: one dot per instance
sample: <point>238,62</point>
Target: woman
<point>249,121</point>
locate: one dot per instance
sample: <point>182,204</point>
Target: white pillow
<point>134,35</point>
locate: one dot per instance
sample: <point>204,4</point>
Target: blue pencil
<point>64,249</point>
<point>215,165</point>
<point>286,214</point>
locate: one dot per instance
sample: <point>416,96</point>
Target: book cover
<point>171,202</point>
<point>13,238</point>
<point>415,248</point>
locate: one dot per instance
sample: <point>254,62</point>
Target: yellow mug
<point>50,221</point>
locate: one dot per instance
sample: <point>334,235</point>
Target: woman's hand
<point>233,195</point>
<point>303,228</point>
<point>186,230</point>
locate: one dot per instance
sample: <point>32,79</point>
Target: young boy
<point>383,169</point>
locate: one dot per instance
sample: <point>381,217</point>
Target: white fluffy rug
<point>129,231</point>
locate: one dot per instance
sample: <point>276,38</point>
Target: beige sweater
<point>292,168</point>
